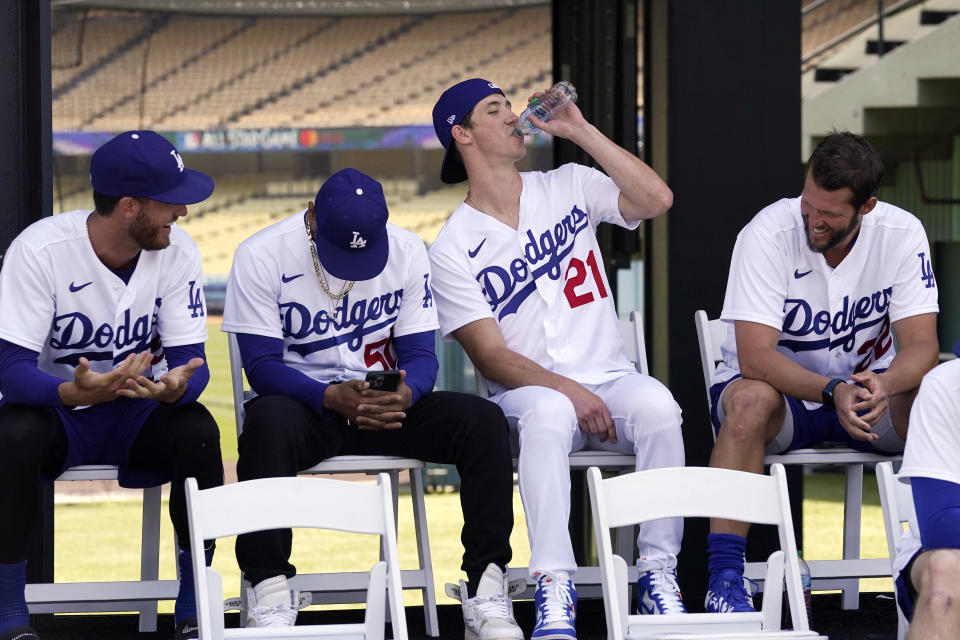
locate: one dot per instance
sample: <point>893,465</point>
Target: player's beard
<point>836,238</point>
<point>147,235</point>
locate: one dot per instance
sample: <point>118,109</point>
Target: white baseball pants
<point>648,425</point>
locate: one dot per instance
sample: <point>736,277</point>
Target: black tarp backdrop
<point>25,173</point>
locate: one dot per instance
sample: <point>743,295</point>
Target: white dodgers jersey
<point>834,322</point>
<point>544,282</point>
<point>274,292</point>
<point>59,299</point>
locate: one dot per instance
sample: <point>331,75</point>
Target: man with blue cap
<point>928,560</point>
<point>520,283</point>
<point>102,332</point>
<point>319,301</point>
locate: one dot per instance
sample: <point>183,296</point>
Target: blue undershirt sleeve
<point>263,361</point>
<point>937,503</point>
<point>181,355</point>
<point>22,381</point>
<point>416,355</point>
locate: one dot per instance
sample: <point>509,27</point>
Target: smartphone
<point>384,380</point>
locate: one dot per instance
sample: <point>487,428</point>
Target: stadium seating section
<point>119,70</point>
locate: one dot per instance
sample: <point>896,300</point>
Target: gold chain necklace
<point>347,286</point>
<point>475,205</point>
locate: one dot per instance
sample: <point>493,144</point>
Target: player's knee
<point>941,579</point>
<point>197,435</point>
<point>549,410</point>
<point>749,409</point>
<point>482,419</point>
<point>24,433</point>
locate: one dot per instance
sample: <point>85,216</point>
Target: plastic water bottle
<point>805,583</point>
<point>555,99</point>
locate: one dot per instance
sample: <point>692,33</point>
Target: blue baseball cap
<point>452,107</point>
<point>351,231</point>
<point>143,164</point>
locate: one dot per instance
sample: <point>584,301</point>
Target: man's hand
<point>564,122</point>
<point>593,417</point>
<point>367,408</point>
<point>846,398</point>
<point>89,387</point>
<point>384,409</point>
<point>879,399</point>
<point>169,388</point>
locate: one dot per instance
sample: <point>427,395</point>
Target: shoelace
<point>738,594</point>
<point>557,600</point>
<point>495,606</point>
<point>278,614</point>
<point>670,594</point>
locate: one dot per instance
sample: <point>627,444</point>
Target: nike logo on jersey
<point>798,275</point>
<point>74,288</point>
<point>287,278</point>
<point>473,254</point>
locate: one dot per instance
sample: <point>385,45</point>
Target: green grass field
<point>89,549</point>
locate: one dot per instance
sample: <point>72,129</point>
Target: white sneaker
<point>489,614</point>
<point>657,588</point>
<point>272,604</point>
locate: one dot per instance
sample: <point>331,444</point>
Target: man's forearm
<point>783,374</point>
<point>640,185</point>
<point>909,366</point>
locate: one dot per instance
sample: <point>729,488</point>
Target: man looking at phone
<point>328,304</point>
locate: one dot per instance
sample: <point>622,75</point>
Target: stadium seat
<point>340,587</point>
<point>118,595</point>
<point>843,573</point>
<point>896,501</point>
<point>641,496</point>
<point>319,503</point>
<point>588,579</point>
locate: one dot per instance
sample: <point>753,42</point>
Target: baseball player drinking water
<point>519,282</point>
<point>819,286</point>
<point>102,327</point>
<point>323,303</point>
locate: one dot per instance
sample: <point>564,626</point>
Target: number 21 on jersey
<point>578,289</point>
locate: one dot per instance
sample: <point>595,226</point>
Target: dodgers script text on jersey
<point>832,321</point>
<point>542,282</point>
<point>92,313</point>
<point>273,292</point>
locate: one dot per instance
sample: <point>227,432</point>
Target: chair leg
<point>852,508</point>
<point>395,491</point>
<point>423,552</point>
<point>150,553</point>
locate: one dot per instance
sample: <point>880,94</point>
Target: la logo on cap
<point>176,156</point>
<point>358,241</point>
<point>451,119</point>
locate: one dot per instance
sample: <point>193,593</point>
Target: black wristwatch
<point>827,393</point>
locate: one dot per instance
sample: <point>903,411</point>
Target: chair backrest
<point>691,492</point>
<point>279,503</point>
<point>710,335</point>
<point>896,503</point>
<point>240,395</point>
<point>634,344</point>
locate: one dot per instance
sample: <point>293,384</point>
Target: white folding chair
<point>319,503</point>
<point>641,496</point>
<point>896,501</point>
<point>351,587</point>
<point>120,595</point>
<point>840,574</point>
<point>588,579</point>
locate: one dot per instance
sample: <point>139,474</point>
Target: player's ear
<point>868,206</point>
<point>460,134</point>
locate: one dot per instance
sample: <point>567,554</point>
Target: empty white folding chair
<point>845,572</point>
<point>703,492</point>
<point>350,587</point>
<point>318,503</point>
<point>587,579</point>
<point>117,595</point>
<point>896,501</point>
